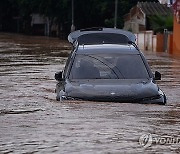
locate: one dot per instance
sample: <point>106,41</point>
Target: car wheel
<point>165,99</point>
<point>57,98</point>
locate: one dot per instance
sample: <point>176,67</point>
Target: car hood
<point>112,90</point>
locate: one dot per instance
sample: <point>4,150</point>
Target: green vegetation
<point>15,15</point>
<point>159,23</point>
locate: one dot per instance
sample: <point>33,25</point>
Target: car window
<point>112,66</point>
<point>98,38</point>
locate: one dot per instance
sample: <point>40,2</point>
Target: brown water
<point>32,121</point>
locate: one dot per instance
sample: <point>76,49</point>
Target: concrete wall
<point>176,37</point>
<point>170,45</point>
<point>146,40</point>
<point>135,18</point>
<point>38,19</point>
<point>160,43</point>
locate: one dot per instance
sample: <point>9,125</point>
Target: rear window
<point>103,66</point>
<point>103,38</point>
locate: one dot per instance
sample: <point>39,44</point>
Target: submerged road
<point>32,121</point>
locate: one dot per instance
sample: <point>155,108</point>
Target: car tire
<point>57,98</point>
<point>165,99</point>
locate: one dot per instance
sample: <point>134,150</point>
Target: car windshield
<point>111,66</point>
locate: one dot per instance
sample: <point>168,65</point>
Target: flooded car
<point>106,65</point>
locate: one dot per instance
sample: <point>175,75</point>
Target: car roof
<point>107,49</point>
<point>101,35</point>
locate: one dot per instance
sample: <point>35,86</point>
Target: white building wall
<point>38,19</point>
<point>163,1</point>
<point>146,41</point>
<point>134,23</point>
<point>166,1</point>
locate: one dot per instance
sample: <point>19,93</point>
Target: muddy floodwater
<point>32,121</point>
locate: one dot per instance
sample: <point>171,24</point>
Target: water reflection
<point>33,122</point>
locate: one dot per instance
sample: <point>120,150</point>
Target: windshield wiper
<point>109,66</point>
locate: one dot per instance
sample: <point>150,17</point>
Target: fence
<point>157,43</point>
<point>146,40</point>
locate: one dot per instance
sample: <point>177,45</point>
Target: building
<point>176,28</point>
<point>42,25</point>
<point>169,2</point>
<point>39,24</point>
<point>137,19</point>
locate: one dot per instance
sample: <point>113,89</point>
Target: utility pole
<point>72,26</point>
<point>115,14</point>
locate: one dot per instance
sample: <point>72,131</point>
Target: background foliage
<point>15,15</point>
<point>159,23</point>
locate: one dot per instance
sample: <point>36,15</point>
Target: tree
<point>8,10</point>
<point>159,23</point>
<point>87,13</point>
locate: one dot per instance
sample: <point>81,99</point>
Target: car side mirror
<point>58,76</point>
<point>157,75</point>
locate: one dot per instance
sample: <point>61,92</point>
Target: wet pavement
<point>32,121</point>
